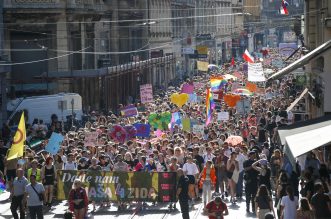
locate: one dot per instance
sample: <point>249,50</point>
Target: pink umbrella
<point>234,140</point>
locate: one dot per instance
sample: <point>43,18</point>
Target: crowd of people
<point>208,165</point>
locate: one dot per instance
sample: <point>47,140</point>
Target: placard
<point>202,66</point>
<point>119,186</point>
<point>143,130</point>
<point>129,111</point>
<point>255,72</point>
<point>198,129</point>
<point>91,138</point>
<point>223,116</point>
<point>186,122</point>
<point>187,88</point>
<point>146,93</point>
<point>54,143</point>
<point>243,106</point>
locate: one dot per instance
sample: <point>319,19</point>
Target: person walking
<point>321,203</point>
<point>232,166</point>
<point>17,194</point>
<point>78,200</point>
<point>289,205</point>
<point>48,176</point>
<point>250,177</point>
<point>34,197</point>
<point>191,171</point>
<point>182,193</point>
<point>207,181</point>
<point>305,211</point>
<point>263,202</point>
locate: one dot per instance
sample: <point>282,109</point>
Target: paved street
<point>156,212</point>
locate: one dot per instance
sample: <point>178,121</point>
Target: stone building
<point>97,48</point>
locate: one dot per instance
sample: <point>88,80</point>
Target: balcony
<point>79,5</point>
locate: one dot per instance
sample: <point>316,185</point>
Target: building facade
<point>318,71</point>
<point>101,49</point>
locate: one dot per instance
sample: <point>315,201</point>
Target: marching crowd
<point>237,159</point>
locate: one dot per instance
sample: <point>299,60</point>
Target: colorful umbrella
<point>228,77</point>
<point>243,91</point>
<point>234,140</point>
<point>213,67</point>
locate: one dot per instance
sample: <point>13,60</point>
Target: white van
<point>43,107</point>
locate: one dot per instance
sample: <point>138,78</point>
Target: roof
<point>304,126</point>
<point>302,61</point>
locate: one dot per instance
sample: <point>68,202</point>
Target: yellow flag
<point>17,148</point>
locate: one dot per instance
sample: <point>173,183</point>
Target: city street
<point>160,211</point>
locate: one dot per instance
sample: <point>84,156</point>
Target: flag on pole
<point>210,105</point>
<point>17,148</point>
<point>283,8</point>
<point>248,57</point>
<point>217,83</point>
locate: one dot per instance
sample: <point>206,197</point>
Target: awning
<point>302,61</point>
<point>304,142</point>
<point>300,127</point>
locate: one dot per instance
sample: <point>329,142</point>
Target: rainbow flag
<point>210,105</point>
<point>217,83</point>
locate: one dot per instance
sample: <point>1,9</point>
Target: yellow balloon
<point>179,99</point>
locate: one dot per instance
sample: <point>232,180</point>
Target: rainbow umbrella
<point>2,186</point>
<point>243,91</point>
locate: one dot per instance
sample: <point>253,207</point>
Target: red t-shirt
<point>213,207</point>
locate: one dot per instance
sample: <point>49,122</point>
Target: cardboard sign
<point>243,106</point>
<point>91,138</point>
<point>223,116</point>
<point>198,85</point>
<point>186,122</point>
<point>143,130</point>
<point>198,129</point>
<point>255,72</point>
<point>202,66</point>
<point>129,111</point>
<point>146,93</point>
<point>54,143</point>
<point>187,88</point>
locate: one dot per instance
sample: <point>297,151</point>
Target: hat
<point>251,152</point>
<point>264,162</point>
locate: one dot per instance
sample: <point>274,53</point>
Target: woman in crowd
<point>78,200</point>
<point>231,167</point>
<point>263,202</point>
<point>305,211</point>
<point>48,176</point>
<point>289,204</point>
<point>207,181</point>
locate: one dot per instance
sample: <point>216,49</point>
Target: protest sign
<point>146,93</point>
<point>198,129</point>
<point>143,130</point>
<point>119,186</point>
<point>223,116</point>
<point>202,66</point>
<point>54,143</point>
<point>91,138</point>
<point>243,106</point>
<point>255,72</point>
<point>129,111</point>
<point>198,85</point>
<point>187,88</point>
<point>186,124</point>
<point>193,98</point>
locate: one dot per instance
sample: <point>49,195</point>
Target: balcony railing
<point>85,5</point>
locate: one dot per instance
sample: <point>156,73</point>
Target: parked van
<point>43,107</point>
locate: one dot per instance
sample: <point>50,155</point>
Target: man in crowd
<point>34,198</point>
<point>17,194</point>
<point>182,193</point>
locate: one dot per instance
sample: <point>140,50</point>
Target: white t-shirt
<point>190,169</point>
<point>207,157</point>
<point>241,159</point>
<point>69,166</point>
<point>290,207</point>
<point>33,198</point>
